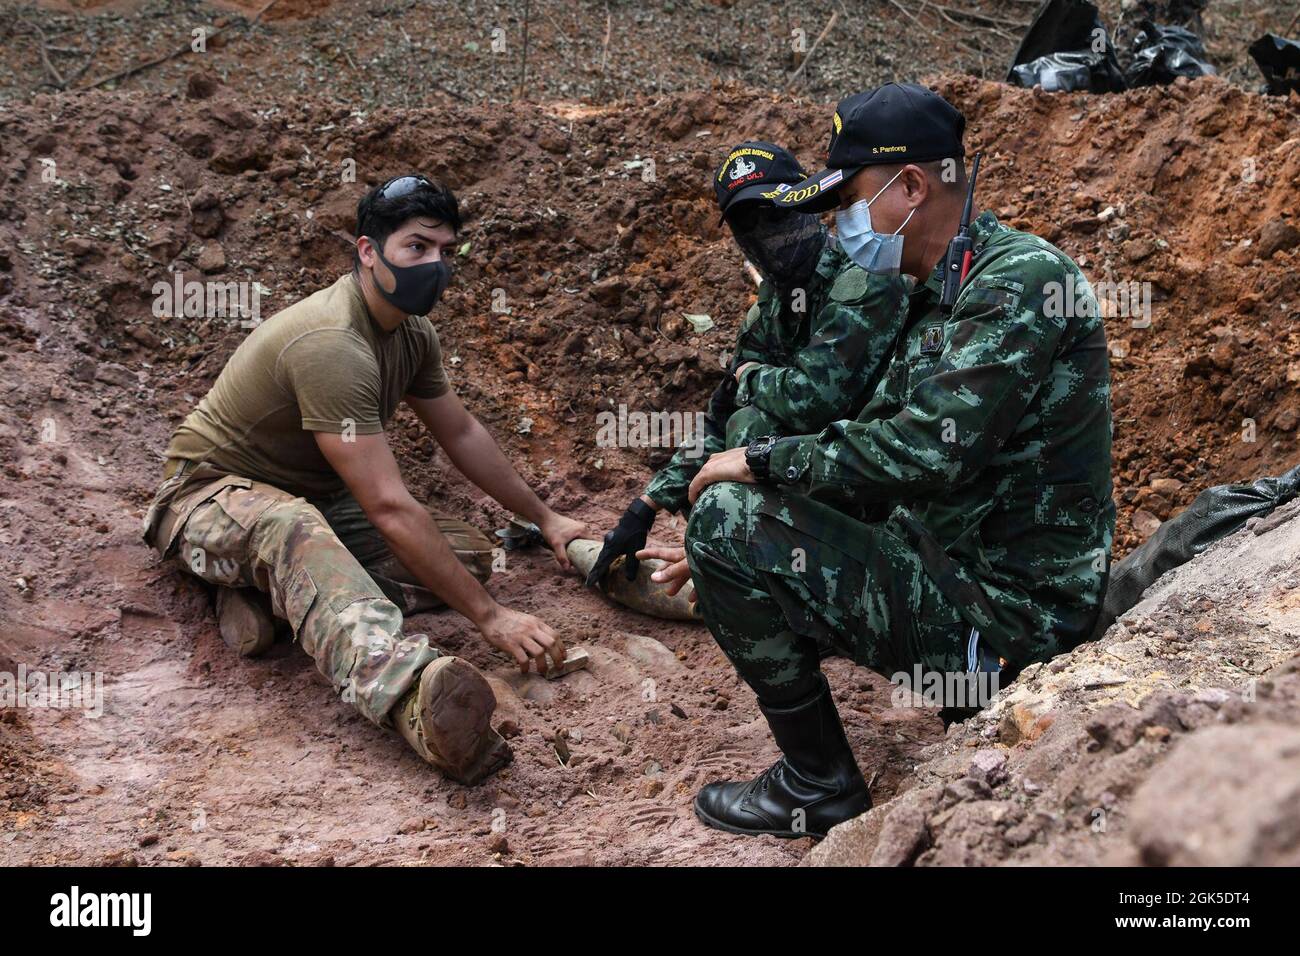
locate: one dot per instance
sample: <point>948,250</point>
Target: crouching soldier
<point>986,449</point>
<point>809,352</point>
<point>280,488</point>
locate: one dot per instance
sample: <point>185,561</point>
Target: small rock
<point>119,858</point>
<point>609,291</point>
<point>212,258</point>
<point>1277,236</point>
<point>966,788</point>
<point>82,248</point>
<point>1136,250</point>
<point>201,85</point>
<point>988,765</point>
<point>553,141</point>
<point>1145,523</point>
<point>1167,487</point>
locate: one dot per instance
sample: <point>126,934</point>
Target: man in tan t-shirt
<point>281,489</point>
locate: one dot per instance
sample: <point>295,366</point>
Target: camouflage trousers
<point>783,580</point>
<point>344,606</point>
<point>472,547</point>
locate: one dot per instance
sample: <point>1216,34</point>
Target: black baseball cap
<point>894,123</point>
<point>755,171</point>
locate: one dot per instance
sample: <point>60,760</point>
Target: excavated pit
<point>569,300</point>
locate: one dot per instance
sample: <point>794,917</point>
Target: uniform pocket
<point>986,297</point>
<point>245,504</point>
<point>179,511</point>
<point>299,596</point>
<point>1070,505</point>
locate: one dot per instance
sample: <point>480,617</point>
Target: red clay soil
<point>200,757</point>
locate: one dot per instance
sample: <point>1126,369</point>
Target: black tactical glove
<point>722,403</point>
<point>627,538</point>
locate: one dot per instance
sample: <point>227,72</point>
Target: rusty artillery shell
<point>642,594</point>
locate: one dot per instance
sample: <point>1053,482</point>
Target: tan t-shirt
<point>321,365</point>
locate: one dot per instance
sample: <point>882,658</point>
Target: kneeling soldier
<point>810,351</point>
<point>963,520</point>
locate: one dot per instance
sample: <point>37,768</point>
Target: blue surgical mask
<point>867,248</point>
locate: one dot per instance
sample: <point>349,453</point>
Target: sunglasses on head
<point>403,186</point>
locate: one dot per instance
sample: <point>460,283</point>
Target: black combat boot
<point>816,784</point>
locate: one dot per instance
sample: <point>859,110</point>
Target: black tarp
<point>1161,54</point>
<point>1066,48</point>
<point>1279,60</point>
<point>1216,513</point>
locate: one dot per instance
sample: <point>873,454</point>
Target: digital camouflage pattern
<point>815,364</point>
<point>782,579</point>
<point>988,444</point>
<point>235,532</point>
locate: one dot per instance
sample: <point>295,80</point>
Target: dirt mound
<point>592,232</point>
<point>1171,741</point>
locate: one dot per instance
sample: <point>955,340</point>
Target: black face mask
<point>416,289</point>
<point>783,245</point>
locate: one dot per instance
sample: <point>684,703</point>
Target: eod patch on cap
<point>755,171</point>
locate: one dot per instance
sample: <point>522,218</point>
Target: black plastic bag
<point>1279,61</point>
<point>1216,513</point>
<point>1059,72</point>
<point>1162,54</point>
<point>1066,48</point>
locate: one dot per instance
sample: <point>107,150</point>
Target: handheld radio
<point>957,260</point>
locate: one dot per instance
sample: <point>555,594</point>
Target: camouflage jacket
<point>988,442</point>
<point>819,354</point>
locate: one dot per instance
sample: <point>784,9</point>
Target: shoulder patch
<point>851,285</point>
<point>999,282</point>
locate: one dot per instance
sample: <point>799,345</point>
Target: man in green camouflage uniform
<point>811,349</point>
<point>280,488</point>
<point>961,523</point>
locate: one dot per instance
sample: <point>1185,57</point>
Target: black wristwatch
<point>758,456</point>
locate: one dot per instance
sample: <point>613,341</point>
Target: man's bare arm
<point>367,467</point>
<point>477,456</point>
